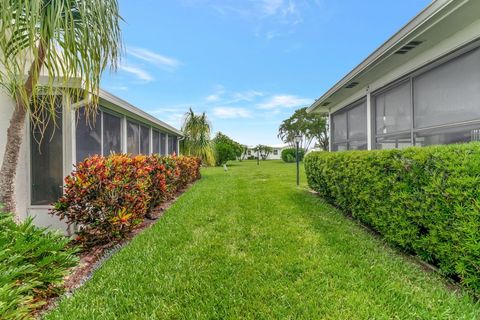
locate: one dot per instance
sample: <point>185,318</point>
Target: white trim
<point>131,108</point>
<point>124,134</point>
<point>330,129</point>
<point>369,120</point>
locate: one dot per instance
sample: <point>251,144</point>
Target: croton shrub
<point>105,198</point>
<point>423,200</point>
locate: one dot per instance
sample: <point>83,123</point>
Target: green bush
<point>289,154</point>
<point>423,200</point>
<point>33,264</point>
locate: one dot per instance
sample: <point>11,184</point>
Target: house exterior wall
<point>272,156</point>
<point>458,43</point>
<point>23,183</point>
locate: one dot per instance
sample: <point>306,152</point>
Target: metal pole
<point>298,167</point>
<point>258,157</point>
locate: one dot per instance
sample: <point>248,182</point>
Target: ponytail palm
<point>197,137</point>
<point>46,45</point>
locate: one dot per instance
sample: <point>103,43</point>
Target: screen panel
<point>449,93</point>
<point>112,134</point>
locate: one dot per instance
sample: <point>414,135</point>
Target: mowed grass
<point>249,244</point>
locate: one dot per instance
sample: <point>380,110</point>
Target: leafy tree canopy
<point>311,126</point>
<point>263,150</point>
<point>226,149</point>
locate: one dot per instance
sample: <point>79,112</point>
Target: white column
<point>151,140</point>
<point>330,128</point>
<point>124,134</point>
<point>166,144</point>
<point>369,120</point>
<point>68,132</point>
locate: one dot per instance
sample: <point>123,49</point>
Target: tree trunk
<point>15,137</point>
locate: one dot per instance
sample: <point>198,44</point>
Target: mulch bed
<point>94,258</point>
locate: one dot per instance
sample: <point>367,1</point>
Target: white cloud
<point>154,58</point>
<point>246,95</point>
<point>216,96</point>
<point>284,101</point>
<point>213,98</point>
<point>138,72</point>
<point>229,113</point>
<point>271,7</point>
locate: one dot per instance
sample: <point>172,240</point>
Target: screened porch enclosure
<point>437,104</point>
<point>104,135</point>
<point>73,136</point>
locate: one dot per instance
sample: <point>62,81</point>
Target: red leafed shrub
<point>107,197</point>
<point>189,170</point>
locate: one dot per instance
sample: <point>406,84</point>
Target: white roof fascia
<point>131,108</point>
<point>373,58</point>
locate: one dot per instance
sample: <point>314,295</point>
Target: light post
<point>298,139</point>
<point>258,157</point>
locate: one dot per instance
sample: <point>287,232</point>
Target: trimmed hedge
<point>423,200</point>
<point>289,154</point>
<point>108,197</point>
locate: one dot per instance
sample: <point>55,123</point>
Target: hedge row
<point>424,200</point>
<point>105,198</point>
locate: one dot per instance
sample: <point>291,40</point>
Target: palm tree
<point>57,40</point>
<point>196,129</point>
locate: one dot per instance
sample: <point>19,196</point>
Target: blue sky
<point>247,63</point>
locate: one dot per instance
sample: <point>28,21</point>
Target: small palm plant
<point>197,130</point>
<point>47,45</point>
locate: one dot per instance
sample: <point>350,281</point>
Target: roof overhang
<point>436,22</point>
<point>107,96</point>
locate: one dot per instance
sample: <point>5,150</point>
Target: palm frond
<point>57,44</point>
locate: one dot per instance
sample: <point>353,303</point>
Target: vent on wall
<point>351,85</point>
<point>408,47</point>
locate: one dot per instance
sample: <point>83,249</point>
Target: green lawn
<point>249,244</point>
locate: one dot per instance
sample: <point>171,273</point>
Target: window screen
<point>170,144</point>
<point>339,122</point>
<point>357,122</point>
<point>47,161</point>
<point>394,142</point>
<point>392,109</point>
<point>88,136</point>
<point>449,93</point>
<point>133,138</point>
<point>339,147</point>
<point>163,143</point>
<point>175,145</point>
<point>144,140</point>
<point>156,142</point>
<point>357,145</point>
<point>112,134</point>
<point>461,134</point>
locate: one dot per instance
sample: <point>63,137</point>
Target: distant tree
<point>226,149</point>
<point>264,151</point>
<point>310,126</point>
<point>196,129</point>
<point>244,152</point>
